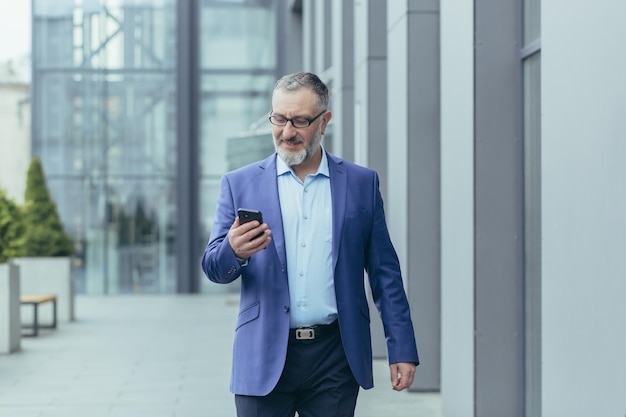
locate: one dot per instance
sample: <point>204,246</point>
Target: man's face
<point>298,145</point>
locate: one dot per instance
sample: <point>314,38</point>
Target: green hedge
<point>43,230</point>
<point>11,229</point>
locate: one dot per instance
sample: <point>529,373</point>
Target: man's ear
<point>327,116</point>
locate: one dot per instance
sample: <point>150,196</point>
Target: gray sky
<point>14,29</point>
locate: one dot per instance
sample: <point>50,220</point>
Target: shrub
<point>44,234</point>
<point>11,228</point>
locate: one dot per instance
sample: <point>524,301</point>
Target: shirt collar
<point>283,168</point>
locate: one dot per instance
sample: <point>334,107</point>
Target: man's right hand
<point>239,236</point>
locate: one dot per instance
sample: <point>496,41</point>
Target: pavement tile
<point>151,355</point>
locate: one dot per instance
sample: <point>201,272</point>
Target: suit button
<point>286,309</point>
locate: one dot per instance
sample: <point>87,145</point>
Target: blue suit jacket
<point>360,243</point>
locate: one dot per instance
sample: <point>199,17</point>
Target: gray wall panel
<point>457,208</point>
<point>370,128</point>
<point>289,39</point>
<point>498,261</point>
<point>583,209</point>
<point>343,76</point>
<point>188,245</point>
<point>413,151</point>
<point>310,41</point>
<point>424,197</point>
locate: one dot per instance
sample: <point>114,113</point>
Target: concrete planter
<point>10,323</point>
<point>48,276</point>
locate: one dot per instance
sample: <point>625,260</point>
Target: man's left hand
<point>402,374</point>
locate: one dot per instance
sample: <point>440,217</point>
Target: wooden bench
<point>36,300</point>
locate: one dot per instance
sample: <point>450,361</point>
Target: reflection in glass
<point>238,71</point>
<point>104,125</point>
<point>240,37</point>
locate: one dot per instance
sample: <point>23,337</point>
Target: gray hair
<point>295,81</point>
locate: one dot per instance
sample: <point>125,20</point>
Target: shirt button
<point>305,217</point>
<point>301,273</point>
<point>303,245</point>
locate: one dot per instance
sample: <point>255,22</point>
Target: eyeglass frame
<point>287,120</point>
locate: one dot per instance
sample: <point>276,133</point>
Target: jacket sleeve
<point>385,278</point>
<point>219,262</point>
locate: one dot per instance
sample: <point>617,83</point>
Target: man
<point>302,340</point>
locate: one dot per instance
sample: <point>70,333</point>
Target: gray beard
<point>301,156</point>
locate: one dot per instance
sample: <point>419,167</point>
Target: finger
<point>257,243</point>
<point>238,230</point>
<point>237,238</point>
<point>245,248</point>
<point>393,369</point>
<point>257,232</point>
<point>406,373</point>
<point>402,383</point>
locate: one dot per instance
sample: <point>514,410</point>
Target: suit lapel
<point>270,205</point>
<point>270,202</point>
<point>338,188</point>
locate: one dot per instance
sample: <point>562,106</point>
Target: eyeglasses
<point>298,122</point>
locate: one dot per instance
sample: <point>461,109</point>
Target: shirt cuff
<point>242,262</point>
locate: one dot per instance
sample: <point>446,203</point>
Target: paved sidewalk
<point>141,355</point>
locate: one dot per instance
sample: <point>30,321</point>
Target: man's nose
<point>289,130</point>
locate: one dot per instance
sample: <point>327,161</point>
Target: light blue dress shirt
<point>307,223</point>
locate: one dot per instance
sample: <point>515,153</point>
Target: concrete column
<point>457,208</point>
<point>413,151</point>
<point>342,86</point>
<point>583,208</point>
<point>498,215</point>
<point>289,38</point>
<point>309,40</point>
<point>188,129</point>
<point>370,110</point>
<point>10,322</point>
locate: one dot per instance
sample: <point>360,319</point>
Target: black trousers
<point>316,382</point>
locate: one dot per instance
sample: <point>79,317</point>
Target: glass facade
<point>106,118</point>
<point>237,74</point>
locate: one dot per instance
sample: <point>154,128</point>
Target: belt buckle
<point>306,333</point>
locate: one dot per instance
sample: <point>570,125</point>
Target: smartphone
<point>247,215</point>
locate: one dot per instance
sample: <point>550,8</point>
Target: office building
<point>15,122</point>
<point>140,106</point>
<point>496,127</point>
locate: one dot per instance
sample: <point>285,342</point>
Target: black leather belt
<point>314,332</point>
